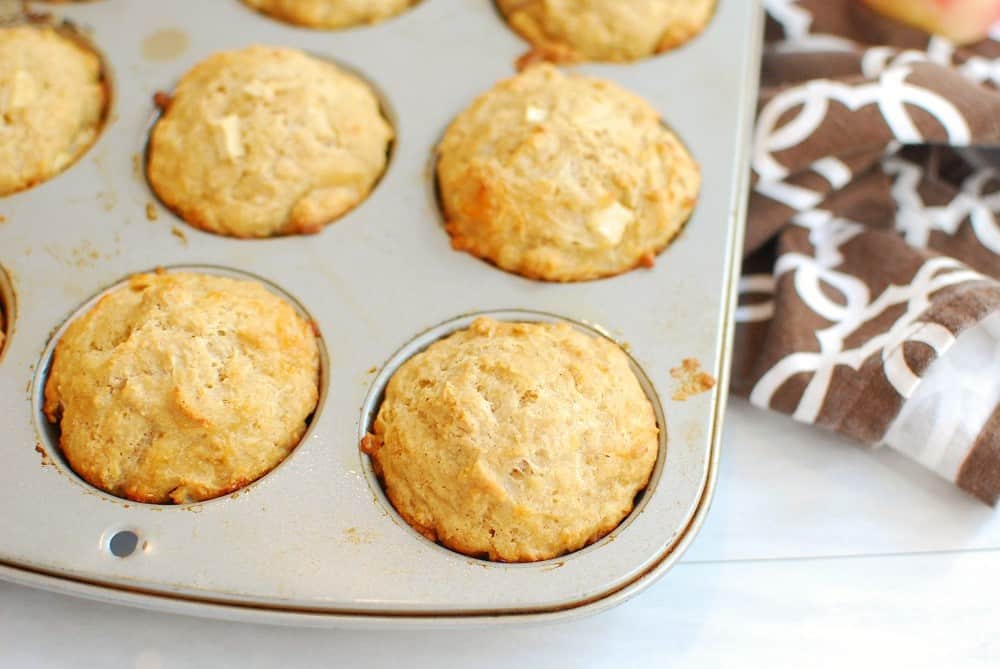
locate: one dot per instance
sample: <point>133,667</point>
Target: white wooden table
<point>816,554</point>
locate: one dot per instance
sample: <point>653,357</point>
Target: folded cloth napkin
<point>870,300</point>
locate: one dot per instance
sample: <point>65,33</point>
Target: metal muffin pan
<point>314,542</point>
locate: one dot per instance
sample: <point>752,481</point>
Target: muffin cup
<point>373,403</point>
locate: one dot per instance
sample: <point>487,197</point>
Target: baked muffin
<point>53,99</point>
<point>514,441</point>
<point>267,141</point>
<point>331,13</point>
<point>3,327</point>
<point>181,387</point>
<point>606,30</point>
<point>563,178</point>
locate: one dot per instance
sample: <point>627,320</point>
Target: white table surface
<point>815,554</point>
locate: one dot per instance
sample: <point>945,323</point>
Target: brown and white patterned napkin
<point>870,301</point>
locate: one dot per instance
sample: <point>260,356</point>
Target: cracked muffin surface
<point>515,441</point>
<point>53,100</point>
<point>267,141</point>
<point>331,13</point>
<point>606,30</point>
<point>181,387</point>
<point>563,178</point>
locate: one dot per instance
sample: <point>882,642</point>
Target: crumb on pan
<point>161,100</point>
<point>691,380</point>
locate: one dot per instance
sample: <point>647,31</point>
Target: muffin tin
<point>315,542</point>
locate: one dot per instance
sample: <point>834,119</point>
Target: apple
<point>961,21</point>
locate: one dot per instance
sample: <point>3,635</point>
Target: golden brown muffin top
<point>181,387</point>
<point>516,441</point>
<point>563,178</point>
<point>331,13</point>
<point>606,30</point>
<point>267,141</point>
<point>53,99</point>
